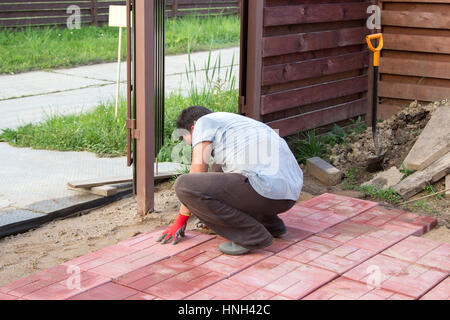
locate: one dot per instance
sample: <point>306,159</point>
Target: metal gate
<point>145,97</point>
<point>304,63</point>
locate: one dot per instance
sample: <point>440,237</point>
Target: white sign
<point>118,16</point>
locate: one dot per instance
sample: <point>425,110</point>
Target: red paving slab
<point>414,224</point>
<point>283,277</point>
<point>438,258</point>
<point>377,216</point>
<point>4,296</point>
<point>108,291</point>
<point>440,292</point>
<point>338,204</point>
<point>311,220</point>
<point>346,289</point>
<point>413,249</point>
<point>130,255</point>
<point>224,290</point>
<point>397,275</point>
<point>330,251</point>
<point>369,237</point>
<point>170,279</point>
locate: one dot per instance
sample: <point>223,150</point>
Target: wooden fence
<point>15,13</point>
<point>415,63</point>
<point>305,63</point>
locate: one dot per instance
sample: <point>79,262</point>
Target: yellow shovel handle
<point>377,50</point>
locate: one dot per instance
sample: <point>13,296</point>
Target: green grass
<point>99,132</point>
<point>34,48</point>
<point>306,145</point>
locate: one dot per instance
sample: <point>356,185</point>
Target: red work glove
<point>175,231</point>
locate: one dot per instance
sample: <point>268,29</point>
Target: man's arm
<point>200,160</point>
<point>200,163</point>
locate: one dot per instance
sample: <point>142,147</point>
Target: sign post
<point>118,18</point>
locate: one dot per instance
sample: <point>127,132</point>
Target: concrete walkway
<point>336,248</point>
<point>34,182</point>
<point>28,97</point>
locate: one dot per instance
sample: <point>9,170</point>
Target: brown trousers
<point>227,204</point>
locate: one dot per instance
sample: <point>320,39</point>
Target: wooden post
<point>145,105</point>
<point>94,12</point>
<point>175,8</point>
<point>252,107</point>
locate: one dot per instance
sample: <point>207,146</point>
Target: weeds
<point>388,195</point>
<point>307,145</point>
<point>406,172</point>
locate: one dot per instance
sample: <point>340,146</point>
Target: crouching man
<point>255,177</point>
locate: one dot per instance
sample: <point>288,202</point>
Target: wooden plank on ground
<point>419,68</point>
<point>447,186</point>
<point>412,91</point>
<point>114,180</point>
<point>417,181</point>
<point>104,191</point>
<point>433,143</point>
<point>434,20</point>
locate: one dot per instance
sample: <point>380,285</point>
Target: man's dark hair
<point>189,115</point>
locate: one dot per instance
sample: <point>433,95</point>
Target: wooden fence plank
<point>421,1</point>
<point>420,68</point>
<point>323,117</point>
<point>314,68</point>
<point>286,15</point>
<point>435,20</point>
<point>408,42</point>
<point>312,94</point>
<point>412,91</point>
<point>302,42</point>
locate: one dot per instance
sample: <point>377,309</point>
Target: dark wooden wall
<point>415,63</point>
<point>15,13</point>
<point>313,60</point>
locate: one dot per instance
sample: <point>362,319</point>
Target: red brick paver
<point>397,275</point>
<point>335,247</point>
<point>440,292</point>
<point>346,289</point>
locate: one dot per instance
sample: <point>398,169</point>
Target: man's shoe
<point>279,232</point>
<point>232,248</point>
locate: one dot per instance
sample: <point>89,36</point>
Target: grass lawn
<point>34,48</point>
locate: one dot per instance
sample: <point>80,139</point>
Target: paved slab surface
<point>34,182</point>
<point>29,97</point>
<point>336,248</point>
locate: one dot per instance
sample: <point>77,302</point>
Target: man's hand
<point>176,231</point>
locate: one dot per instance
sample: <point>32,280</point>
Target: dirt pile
<point>396,137</point>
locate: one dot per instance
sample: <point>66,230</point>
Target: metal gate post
<point>145,105</point>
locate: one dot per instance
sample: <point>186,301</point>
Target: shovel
<point>374,163</point>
